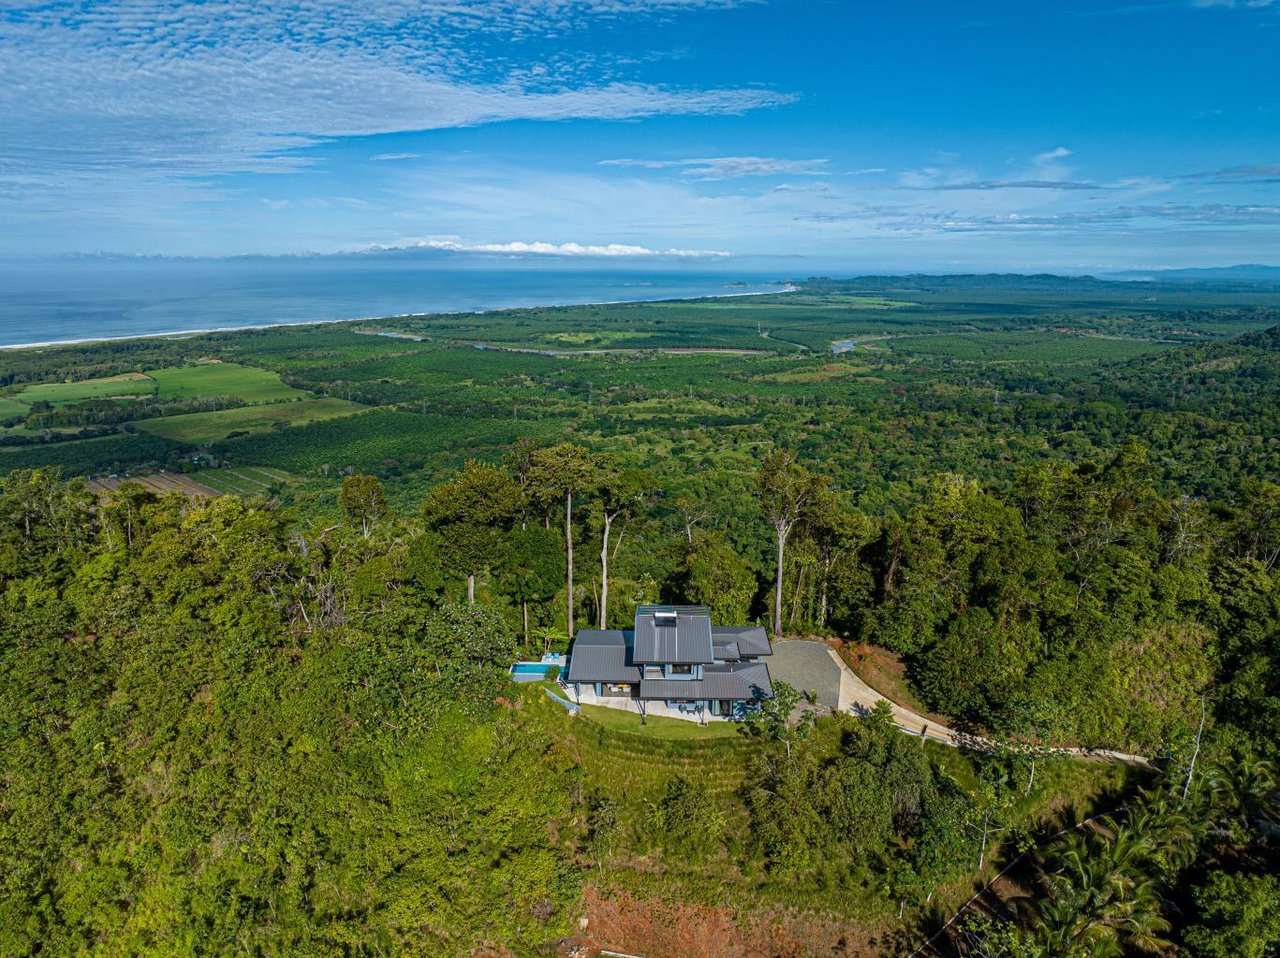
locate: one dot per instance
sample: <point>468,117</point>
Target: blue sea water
<point>105,299</point>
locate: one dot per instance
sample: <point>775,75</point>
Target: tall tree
<point>716,576</point>
<point>122,512</point>
<point>532,568</point>
<point>787,492</point>
<point>564,471</point>
<point>618,491</point>
<point>470,513</point>
<point>362,501</point>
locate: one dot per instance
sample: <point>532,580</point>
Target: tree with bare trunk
<point>787,493</point>
<point>564,472</point>
<point>618,491</point>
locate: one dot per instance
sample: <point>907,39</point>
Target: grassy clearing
<point>204,427</point>
<point>126,385</point>
<point>223,379</point>
<point>178,382</point>
<point>11,407</point>
<point>816,374</point>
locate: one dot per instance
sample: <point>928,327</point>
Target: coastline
<point>187,333</point>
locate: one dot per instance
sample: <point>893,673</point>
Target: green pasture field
<point>203,379</point>
<point>223,379</point>
<point>11,407</point>
<point>205,427</point>
<point>125,386</point>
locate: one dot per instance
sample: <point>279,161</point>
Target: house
<point>673,656</point>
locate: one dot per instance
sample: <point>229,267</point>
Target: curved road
<point>814,665</point>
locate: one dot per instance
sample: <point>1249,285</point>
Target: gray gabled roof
<point>676,634</point>
<point>602,656</point>
<point>725,651</point>
<point>739,682</point>
<point>752,640</point>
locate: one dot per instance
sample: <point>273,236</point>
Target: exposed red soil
<point>655,928</point>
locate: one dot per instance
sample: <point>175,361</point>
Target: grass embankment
<point>635,763</point>
<point>659,726</point>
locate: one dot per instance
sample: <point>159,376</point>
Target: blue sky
<point>843,136</point>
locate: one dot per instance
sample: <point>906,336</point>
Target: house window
<point>653,671</point>
<point>682,670</point>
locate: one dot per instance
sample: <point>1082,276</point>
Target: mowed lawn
<point>204,427</point>
<point>223,379</point>
<point>126,385</point>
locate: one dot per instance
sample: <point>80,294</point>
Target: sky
<point>845,136</point>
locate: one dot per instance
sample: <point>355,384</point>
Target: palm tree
<point>1242,793</point>
<point>1102,897</point>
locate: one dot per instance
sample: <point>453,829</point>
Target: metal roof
<point>725,651</point>
<point>602,656</point>
<point>676,634</point>
<point>736,682</point>
<point>752,639</point>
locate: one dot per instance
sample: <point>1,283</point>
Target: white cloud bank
<point>454,244</point>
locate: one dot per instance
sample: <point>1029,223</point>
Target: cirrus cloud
<point>102,96</point>
<point>729,167</point>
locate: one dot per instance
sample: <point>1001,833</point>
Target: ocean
<point>76,300</point>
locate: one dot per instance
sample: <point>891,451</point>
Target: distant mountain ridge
<point>1242,273</point>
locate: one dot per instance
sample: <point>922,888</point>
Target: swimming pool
<point>531,668</point>
<point>531,671</point>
